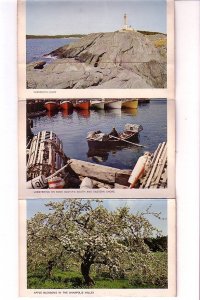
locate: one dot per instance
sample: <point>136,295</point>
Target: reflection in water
<point>72,128</point>
<point>83,113</point>
<point>65,113</point>
<point>113,112</point>
<point>102,155</point>
<point>51,113</point>
<point>130,111</point>
<point>98,155</point>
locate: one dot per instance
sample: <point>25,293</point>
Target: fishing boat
<point>83,105</point>
<point>113,105</point>
<point>97,105</point>
<point>51,105</point>
<point>130,104</point>
<point>98,139</point>
<point>66,105</point>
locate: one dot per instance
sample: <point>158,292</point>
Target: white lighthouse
<point>125,21</point>
<point>126,27</point>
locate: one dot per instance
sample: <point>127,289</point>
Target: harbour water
<point>36,48</point>
<point>72,129</point>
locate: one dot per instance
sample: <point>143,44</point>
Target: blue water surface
<point>37,48</point>
<point>72,129</point>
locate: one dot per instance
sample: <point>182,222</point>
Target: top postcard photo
<point>90,44</point>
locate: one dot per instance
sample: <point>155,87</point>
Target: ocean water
<point>36,48</point>
<point>72,129</point>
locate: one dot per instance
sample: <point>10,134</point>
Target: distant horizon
<point>71,17</point>
<point>82,34</point>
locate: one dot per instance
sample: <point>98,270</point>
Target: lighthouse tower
<point>126,27</point>
<point>125,22</point>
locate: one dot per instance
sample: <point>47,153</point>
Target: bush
<point>150,271</point>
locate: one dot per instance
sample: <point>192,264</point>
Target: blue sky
<point>87,16</point>
<point>38,205</point>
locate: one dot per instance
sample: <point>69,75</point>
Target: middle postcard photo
<point>99,145</point>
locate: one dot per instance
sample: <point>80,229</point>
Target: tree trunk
<point>85,270</point>
<point>49,268</point>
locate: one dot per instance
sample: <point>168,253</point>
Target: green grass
<point>70,280</point>
<point>67,281</point>
<point>112,284</point>
<point>58,280</point>
<point>134,279</point>
<point>76,282</point>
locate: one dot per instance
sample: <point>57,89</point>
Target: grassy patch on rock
<point>160,43</point>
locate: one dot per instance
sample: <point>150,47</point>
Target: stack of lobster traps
<point>45,155</point>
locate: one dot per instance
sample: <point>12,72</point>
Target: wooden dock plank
<point>41,147</point>
<point>155,177</point>
<point>36,148</point>
<point>144,180</point>
<point>161,165</point>
<point>154,166</point>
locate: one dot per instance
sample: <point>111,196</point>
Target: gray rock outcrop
<point>104,60</point>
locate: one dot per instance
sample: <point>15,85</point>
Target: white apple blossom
<point>92,236</point>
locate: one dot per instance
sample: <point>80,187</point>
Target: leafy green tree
<point>84,230</point>
<point>157,244</point>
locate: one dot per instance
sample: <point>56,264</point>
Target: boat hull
<point>51,106</point>
<point>113,105</point>
<point>130,104</point>
<point>66,105</point>
<point>99,105</point>
<point>82,106</point>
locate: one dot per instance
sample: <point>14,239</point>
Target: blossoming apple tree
<point>88,233</point>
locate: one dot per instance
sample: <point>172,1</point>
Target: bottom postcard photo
<point>97,247</point>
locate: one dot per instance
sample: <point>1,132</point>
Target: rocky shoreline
<point>104,60</point>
